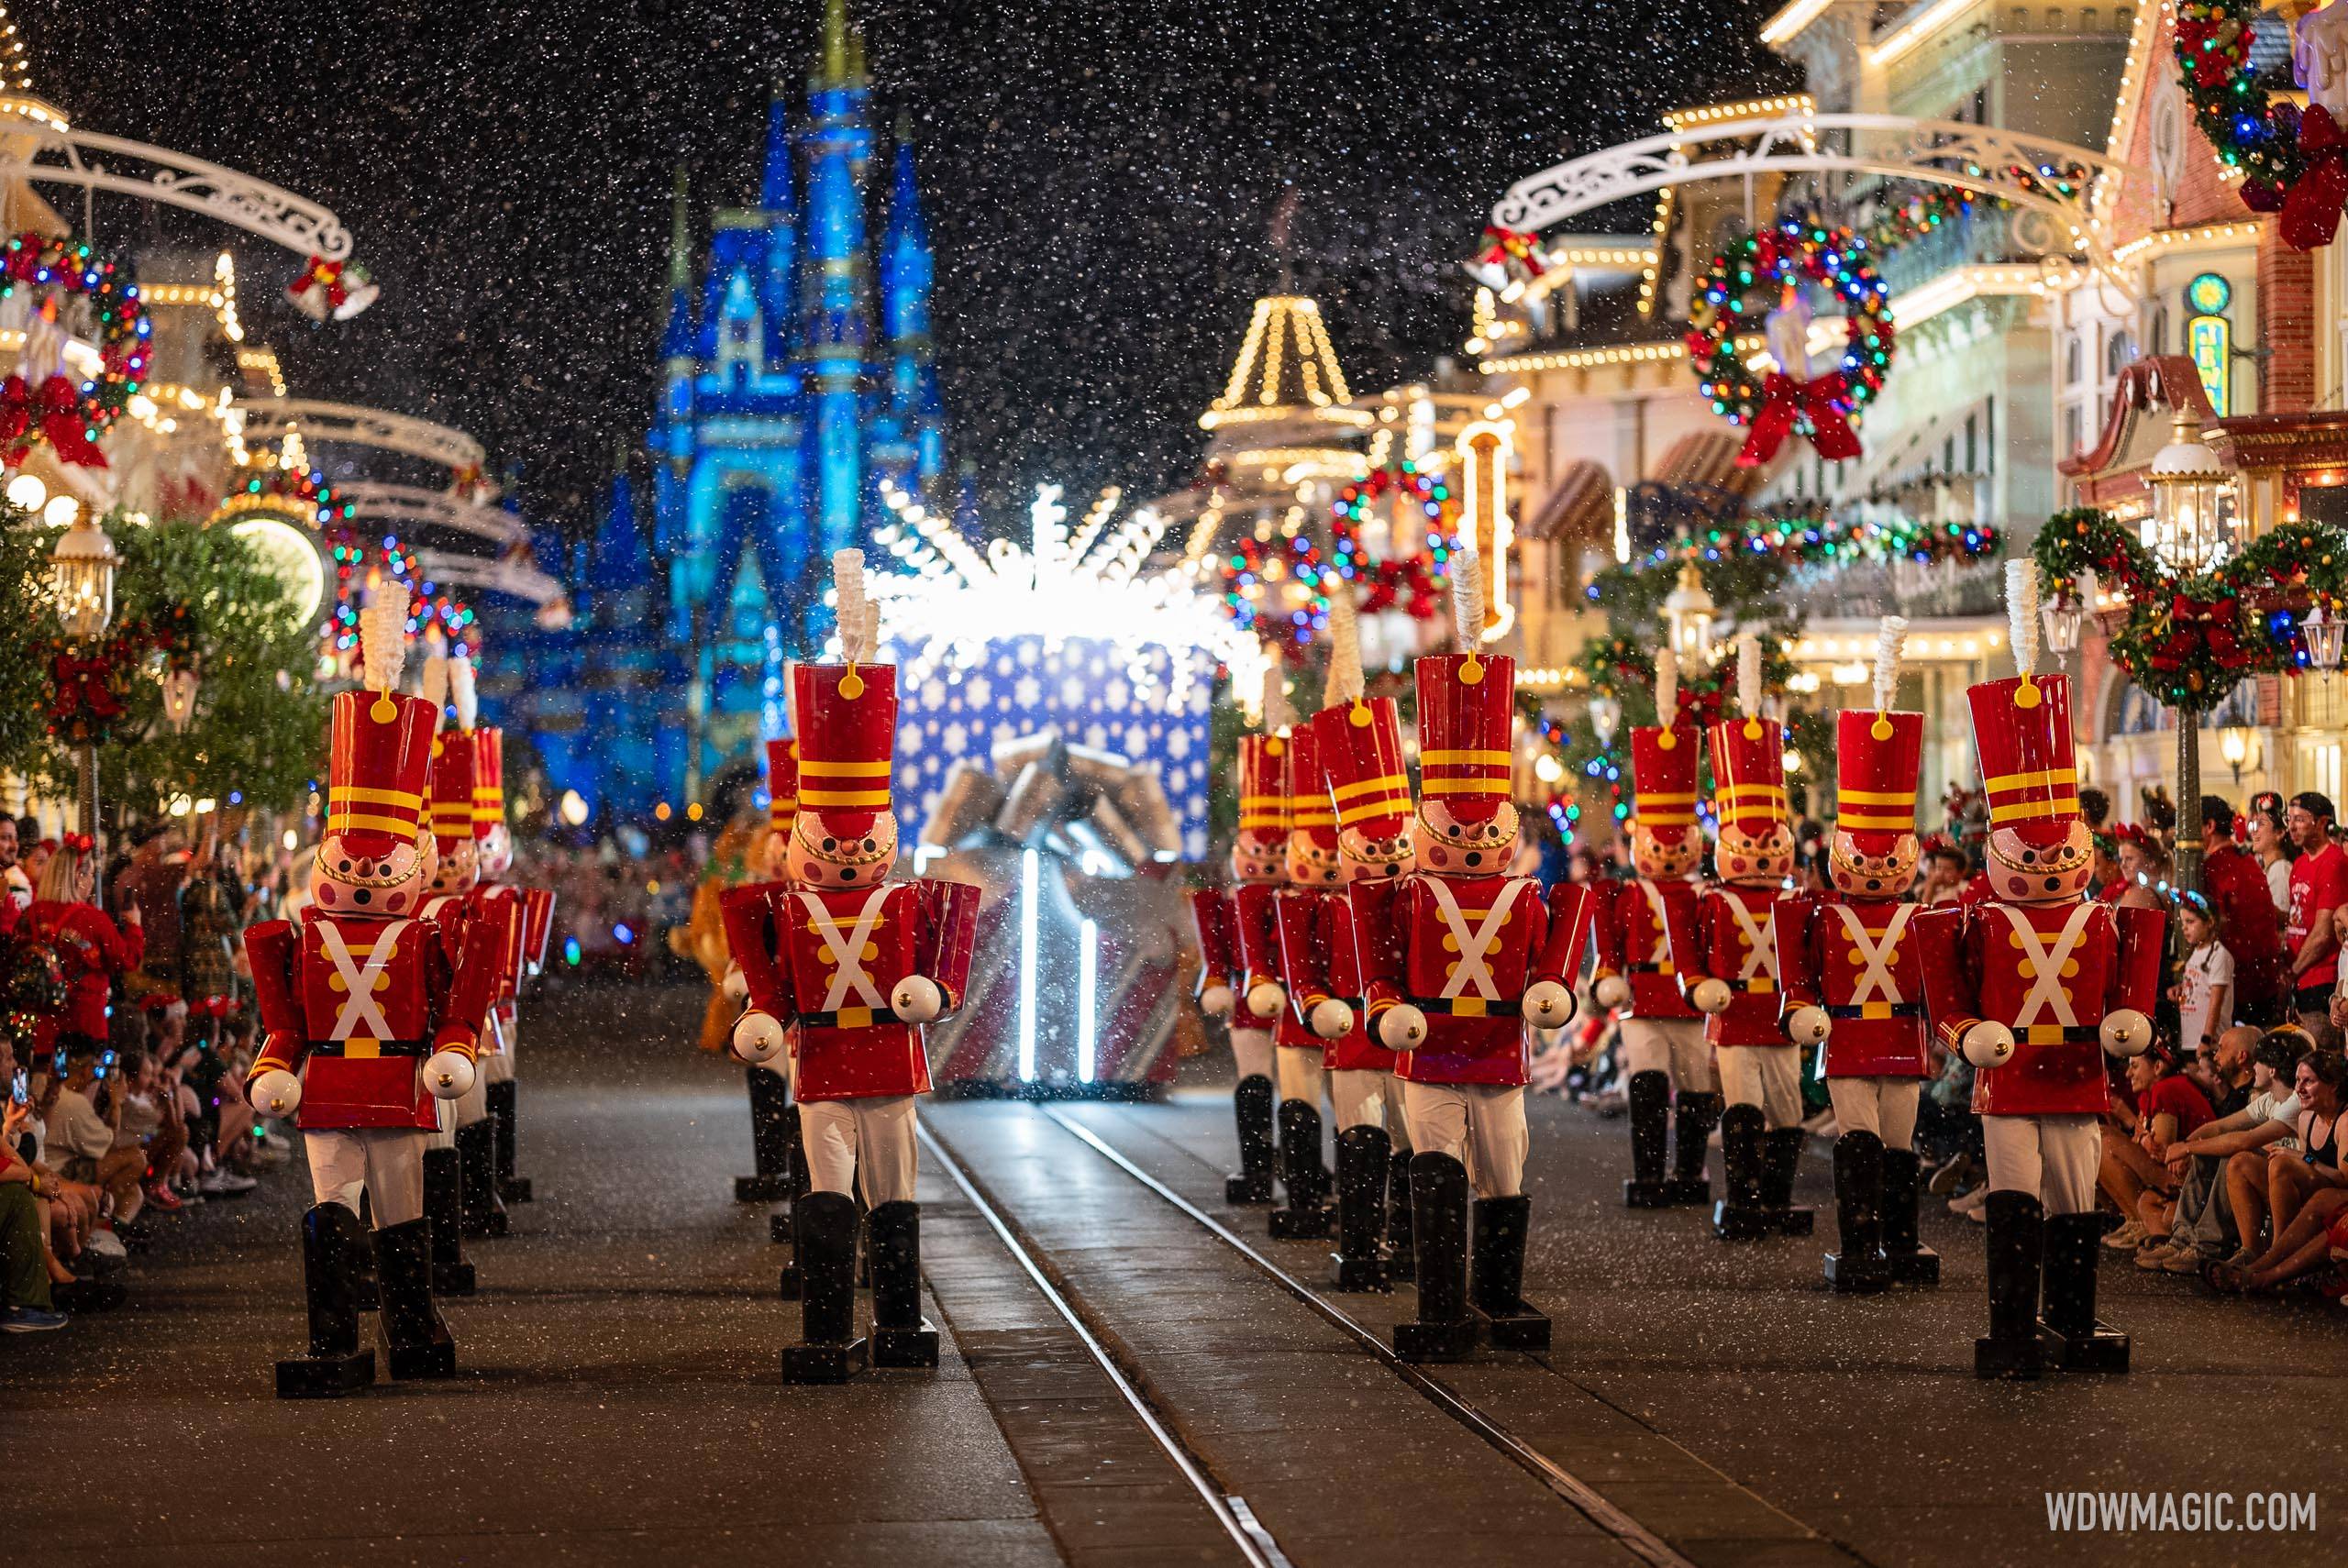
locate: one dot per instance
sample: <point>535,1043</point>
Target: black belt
<point>1652,969</point>
<point>849,1018</point>
<point>1465,1007</point>
<point>1859,1009</point>
<point>2072,1034</point>
<point>381,1048</point>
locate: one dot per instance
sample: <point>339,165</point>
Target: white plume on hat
<point>1892,635</point>
<point>1344,650</point>
<point>383,639</point>
<point>1278,714</point>
<point>2022,613</point>
<point>434,683</point>
<point>1748,673</point>
<point>1467,597</point>
<point>1667,688</point>
<point>856,621</point>
<point>460,689</point>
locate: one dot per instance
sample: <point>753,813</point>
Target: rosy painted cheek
<point>1736,865</point>
<point>1439,856</point>
<point>2017,886</point>
<point>326,893</point>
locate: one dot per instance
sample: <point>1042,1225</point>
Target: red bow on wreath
<point>84,685</point>
<point>2311,209</point>
<point>1786,400</point>
<point>56,407</point>
<point>331,288</point>
<point>1507,253</point>
<point>2195,623</point>
<point>79,842</point>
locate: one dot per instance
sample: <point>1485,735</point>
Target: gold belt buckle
<point>361,1050</point>
<point>1665,968</point>
<point>1761,987</point>
<point>1875,1010</point>
<point>854,1018</point>
<point>1467,1006</point>
<point>2043,1034</point>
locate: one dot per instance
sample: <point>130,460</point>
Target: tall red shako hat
<point>449,801</point>
<point>1360,742</point>
<point>1309,810</point>
<point>2022,732</point>
<point>847,726</point>
<point>1263,766</point>
<point>485,745</point>
<point>1749,754</point>
<point>1466,711</point>
<point>1879,757</point>
<point>1662,759</point>
<point>783,783</point>
<point>381,754</point>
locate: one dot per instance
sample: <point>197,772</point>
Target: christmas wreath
<point>2293,161</point>
<point>68,411</point>
<point>89,682</point>
<point>32,989</point>
<point>2188,641</point>
<point>1615,665</point>
<point>1757,274</point>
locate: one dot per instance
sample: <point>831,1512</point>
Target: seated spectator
<point>84,1139</point>
<point>2290,1178</point>
<point>2167,1108</point>
<point>2201,1226</point>
<point>2225,1071</point>
<point>24,1304</point>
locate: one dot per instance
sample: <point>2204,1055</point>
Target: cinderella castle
<point>795,379</point>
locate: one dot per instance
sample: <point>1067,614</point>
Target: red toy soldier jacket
<point>1860,961</point>
<point>1724,934</point>
<point>1633,927</point>
<point>828,959</point>
<point>354,1006</point>
<point>2049,972</point>
<point>1319,958</point>
<point>1464,951</point>
<point>1214,920</point>
<point>1255,908</point>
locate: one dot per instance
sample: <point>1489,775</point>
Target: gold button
<point>1857,957</point>
<point>1450,944</point>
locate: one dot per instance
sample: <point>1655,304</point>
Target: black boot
<point>451,1275</point>
<point>332,1241</point>
<point>769,1097</point>
<point>1304,1181</point>
<point>1402,1257</point>
<point>1251,1103</point>
<point>501,1101</point>
<point>1696,1115</point>
<point>1858,1265</point>
<point>477,1179</point>
<point>2017,1238</point>
<point>794,1177</point>
<point>1739,1215</point>
<point>1444,1329</point>
<point>900,1335</point>
<point>2067,1326</point>
<point>1496,1283</point>
<point>1910,1262</point>
<point>1650,1128</point>
<point>828,1350</point>
<point>1780,1157</point>
<point>420,1342</point>
<point>1362,1157</point>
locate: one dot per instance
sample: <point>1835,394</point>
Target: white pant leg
<point>473,1104</point>
<point>1896,1100</point>
<point>445,1135</point>
<point>499,1068</point>
<point>1780,1074</point>
<point>1740,1073</point>
<point>828,1129</point>
<point>1252,1049</point>
<point>2071,1148</point>
<point>1397,1125</point>
<point>1358,1097</point>
<point>1436,1115</point>
<point>1645,1048</point>
<point>1693,1070</point>
<point>1301,1074</point>
<point>394,1173</point>
<point>2009,1148</point>
<point>1859,1104</point>
<point>1498,1140</point>
<point>337,1167</point>
<point>884,1148</point>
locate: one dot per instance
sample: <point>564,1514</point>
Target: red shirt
<point>2318,885</point>
<point>2176,1096</point>
<point>92,950</point>
<point>2236,884</point>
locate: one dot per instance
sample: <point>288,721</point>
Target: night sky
<point>1100,179</point>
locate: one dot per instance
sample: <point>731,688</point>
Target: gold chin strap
<point>804,825</point>
<point>346,879</point>
<point>2045,865</point>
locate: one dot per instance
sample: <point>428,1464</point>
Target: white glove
<point>1612,991</point>
<point>1988,1043</point>
<point>757,1038</point>
<point>1712,996</point>
<point>916,999</point>
<point>1265,999</point>
<point>1402,1027</point>
<point>1216,1001</point>
<point>1548,1005</point>
<point>1808,1025</point>
<point>1332,1020</point>
<point>447,1073</point>
<point>275,1093</point>
<point>735,986</point>
<point>2125,1031</point>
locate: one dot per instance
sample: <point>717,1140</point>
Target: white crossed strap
<point>2046,992</point>
<point>1661,953</point>
<point>1875,980</point>
<point>1761,949</point>
<point>848,952</point>
<point>361,1016</point>
<point>1475,947</point>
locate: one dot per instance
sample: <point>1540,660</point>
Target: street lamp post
<point>81,572</point>
<point>1687,613</point>
<point>2190,531</point>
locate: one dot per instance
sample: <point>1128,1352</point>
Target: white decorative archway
<point>415,506</point>
<point>273,419</point>
<point>512,575</point>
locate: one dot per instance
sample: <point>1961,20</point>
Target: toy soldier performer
<point>369,1020</point>
<point>1460,957</point>
<point>1666,1058</point>
<point>1855,983</point>
<point>858,961</point>
<point>454,874</point>
<point>2035,983</point>
<point>1728,967</point>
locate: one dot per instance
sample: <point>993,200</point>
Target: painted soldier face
<point>1660,858</point>
<point>372,886</point>
<point>1311,864</point>
<point>1457,847</point>
<point>2024,872</point>
<point>494,852</point>
<point>820,857</point>
<point>1755,859</point>
<point>1259,858</point>
<point>774,856</point>
<point>1873,876</point>
<point>458,870</point>
<point>1368,859</point>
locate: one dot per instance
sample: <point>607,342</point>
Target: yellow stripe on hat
<point>2044,779</point>
<point>1301,818</point>
<point>844,769</point>
<point>1765,794</point>
<point>2035,811</point>
<point>1879,798</point>
<point>1668,797</point>
<point>843,797</point>
<point>1665,819</point>
<point>1878,822</point>
<point>1462,786</point>
<point>1464,758</point>
<point>361,794</point>
<point>359,821</point>
<point>1391,784</point>
<point>1385,806</point>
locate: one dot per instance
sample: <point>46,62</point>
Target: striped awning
<point>1578,508</point>
<point>1707,457</point>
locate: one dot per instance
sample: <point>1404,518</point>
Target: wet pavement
<point>1119,1383</point>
